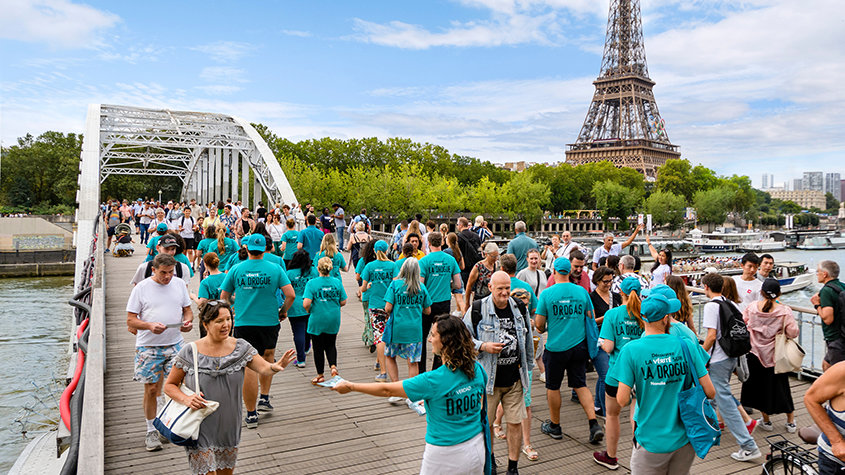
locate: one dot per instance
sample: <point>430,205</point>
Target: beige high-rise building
<point>804,198</point>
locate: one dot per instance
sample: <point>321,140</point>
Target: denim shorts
<point>153,362</point>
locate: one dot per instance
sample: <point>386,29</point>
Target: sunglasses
<point>607,281</point>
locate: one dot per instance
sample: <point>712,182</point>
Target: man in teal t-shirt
<point>253,283</point>
<point>825,302</point>
<point>656,366</point>
<point>310,238</point>
<point>441,274</point>
<point>565,308</point>
<point>520,245</point>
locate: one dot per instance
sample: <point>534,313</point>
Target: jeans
<point>601,363</point>
<point>298,326</point>
<point>145,235</point>
<point>720,374</point>
<point>340,237</point>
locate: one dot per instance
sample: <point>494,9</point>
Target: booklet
<point>331,382</point>
<point>417,406</point>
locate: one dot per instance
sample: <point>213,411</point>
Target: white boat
<point>762,245</point>
<point>720,241</point>
<point>816,243</point>
<point>792,276</point>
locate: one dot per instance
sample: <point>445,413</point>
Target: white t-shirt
<point>147,215</point>
<point>154,302</point>
<point>749,290</point>
<point>142,269</point>
<point>187,224</point>
<point>338,222</point>
<point>615,250</point>
<point>276,231</point>
<point>659,275</point>
<point>566,248</point>
<point>711,320</point>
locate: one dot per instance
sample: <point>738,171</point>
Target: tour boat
<point>792,276</point>
<point>816,243</point>
<point>720,241</point>
<point>764,244</point>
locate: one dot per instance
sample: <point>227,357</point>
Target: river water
<point>35,325</point>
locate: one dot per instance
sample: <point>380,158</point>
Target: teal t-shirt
<point>452,403</point>
<point>565,307</point>
<point>380,274</point>
<point>254,283</point>
<point>521,284</point>
<point>311,238</point>
<point>289,238</point>
<point>299,280</point>
<point>655,366</point>
<point>210,286</point>
<point>184,260</point>
<point>519,246</point>
<point>230,247</point>
<point>620,328</point>
<point>268,256</point>
<point>325,293</point>
<point>338,262</point>
<point>437,268</point>
<point>397,266</point>
<point>407,312</point>
<point>679,329</point>
<point>151,245</point>
<point>827,298</point>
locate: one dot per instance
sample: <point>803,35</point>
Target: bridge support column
<point>235,169</point>
<point>245,180</point>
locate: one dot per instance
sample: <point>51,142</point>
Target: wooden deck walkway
<point>314,430</point>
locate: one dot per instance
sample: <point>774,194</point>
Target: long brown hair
<point>452,240</point>
<point>458,352</point>
<point>729,290</point>
<point>684,315</point>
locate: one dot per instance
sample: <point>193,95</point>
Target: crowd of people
<point>489,319</point>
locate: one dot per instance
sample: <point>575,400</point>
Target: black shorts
<point>835,351</point>
<point>572,361</point>
<point>611,390</point>
<point>110,231</point>
<point>190,243</point>
<point>261,338</point>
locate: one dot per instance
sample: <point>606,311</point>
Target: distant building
<point>833,185</point>
<point>813,181</point>
<point>804,198</point>
<point>768,181</point>
<point>516,166</point>
<point>841,189</point>
<point>796,185</point>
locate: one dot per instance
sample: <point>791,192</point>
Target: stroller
<point>123,247</point>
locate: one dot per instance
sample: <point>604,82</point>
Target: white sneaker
<point>396,400</point>
<point>766,426</point>
<point>791,427</point>
<point>542,377</point>
<point>151,441</point>
<point>743,455</point>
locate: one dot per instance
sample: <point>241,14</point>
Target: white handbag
<point>789,355</point>
<point>178,422</point>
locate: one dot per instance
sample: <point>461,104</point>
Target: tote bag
<point>179,423</point>
<point>696,412</point>
<point>789,356</point>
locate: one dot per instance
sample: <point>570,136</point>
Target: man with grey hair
<point>520,245</point>
<point>626,269</point>
<point>609,248</point>
<point>567,245</point>
<point>827,304</point>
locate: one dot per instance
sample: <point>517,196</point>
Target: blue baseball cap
<point>380,246</point>
<point>657,306</point>
<point>256,242</point>
<point>562,265</point>
<point>631,284</point>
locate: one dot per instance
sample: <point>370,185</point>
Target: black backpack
<point>839,308</point>
<point>735,340</point>
<point>149,271</point>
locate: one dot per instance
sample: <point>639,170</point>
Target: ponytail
<point>221,236</point>
<point>633,307</point>
<point>767,306</point>
<point>243,254</point>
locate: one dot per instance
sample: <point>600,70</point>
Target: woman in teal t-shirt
<point>406,300</point>
<point>453,394</point>
<point>621,325</point>
<point>300,273</point>
<point>210,286</point>
<point>289,241</point>
<point>328,248</point>
<point>217,242</point>
<point>323,298</point>
<point>375,279</point>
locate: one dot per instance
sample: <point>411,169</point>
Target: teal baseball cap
<point>631,284</point>
<point>661,289</point>
<point>162,228</point>
<point>256,242</point>
<point>562,265</point>
<point>380,246</point>
<point>657,306</point>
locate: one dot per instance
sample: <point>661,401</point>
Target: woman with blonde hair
<point>323,298</point>
<point>413,227</point>
<point>328,248</point>
<point>684,315</point>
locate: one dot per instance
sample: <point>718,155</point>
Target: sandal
<point>499,433</point>
<point>530,452</point>
<point>334,371</point>
<point>319,379</point>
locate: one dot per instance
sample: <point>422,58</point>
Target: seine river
<point>35,323</point>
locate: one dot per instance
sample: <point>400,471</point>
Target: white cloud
<point>225,51</point>
<point>219,89</point>
<point>58,23</point>
<point>223,74</point>
<point>297,33</point>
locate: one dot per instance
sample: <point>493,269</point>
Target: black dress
<point>766,391</point>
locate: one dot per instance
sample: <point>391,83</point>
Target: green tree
<point>615,200</point>
<point>41,170</point>
<point>712,205</point>
<point>525,198</point>
<point>831,203</point>
<point>675,177</point>
<point>666,208</point>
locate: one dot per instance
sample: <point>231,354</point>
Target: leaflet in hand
<point>417,406</point>
<point>331,383</point>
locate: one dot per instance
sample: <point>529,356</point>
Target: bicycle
<point>788,458</point>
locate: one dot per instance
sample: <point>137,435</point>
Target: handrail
<point>795,308</point>
<point>64,402</point>
<point>72,460</point>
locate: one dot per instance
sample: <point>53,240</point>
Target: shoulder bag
<point>696,412</point>
<point>789,356</point>
<point>179,423</point>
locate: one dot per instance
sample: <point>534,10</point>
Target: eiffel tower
<point>623,124</point>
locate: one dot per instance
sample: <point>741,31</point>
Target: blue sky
<point>745,87</point>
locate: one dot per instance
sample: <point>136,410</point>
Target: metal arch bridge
<point>211,153</point>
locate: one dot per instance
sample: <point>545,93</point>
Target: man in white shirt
<point>747,284</point>
<point>609,248</point>
<point>168,245</point>
<point>567,245</point>
<point>722,366</point>
<point>159,308</point>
